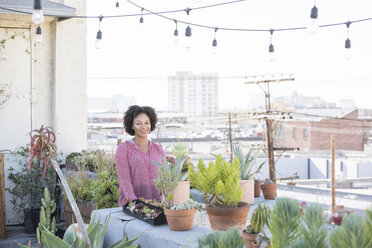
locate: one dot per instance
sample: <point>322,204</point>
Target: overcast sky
<point>137,58</point>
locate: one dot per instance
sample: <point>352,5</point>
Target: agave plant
<point>246,164</point>
<point>168,177</point>
<point>72,238</point>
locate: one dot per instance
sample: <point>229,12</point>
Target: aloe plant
<point>246,162</point>
<point>168,177</point>
<point>72,239</point>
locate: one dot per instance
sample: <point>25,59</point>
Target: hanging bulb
<point>141,19</point>
<point>271,53</point>
<point>99,34</point>
<point>117,5</point>
<point>214,42</point>
<point>37,13</point>
<point>175,33</point>
<point>348,49</point>
<point>313,25</point>
<point>188,37</point>
<point>271,47</point>
<point>348,43</point>
<point>99,39</point>
<point>39,37</point>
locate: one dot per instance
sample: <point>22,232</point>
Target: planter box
<point>85,208</point>
<point>160,219</point>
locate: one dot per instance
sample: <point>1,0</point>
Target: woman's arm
<point>123,170</point>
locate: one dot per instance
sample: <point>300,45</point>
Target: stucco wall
<point>52,79</point>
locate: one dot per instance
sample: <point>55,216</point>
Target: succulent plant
<point>189,204</point>
<point>246,165</point>
<point>259,219</point>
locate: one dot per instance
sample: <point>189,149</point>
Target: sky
<point>136,59</point>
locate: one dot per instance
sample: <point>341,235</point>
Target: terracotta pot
<point>269,190</point>
<point>224,218</point>
<point>180,220</point>
<point>248,191</point>
<point>182,192</point>
<point>257,189</point>
<point>255,245</point>
<point>249,238</point>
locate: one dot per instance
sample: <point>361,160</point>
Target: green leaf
<point>126,243</point>
<point>98,242</point>
<point>53,241</point>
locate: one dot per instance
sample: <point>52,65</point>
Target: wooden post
<point>333,174</point>
<point>270,149</point>
<point>2,199</point>
<point>230,139</point>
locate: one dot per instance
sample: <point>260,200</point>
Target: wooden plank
<point>2,199</point>
<point>333,174</point>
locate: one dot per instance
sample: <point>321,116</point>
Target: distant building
<point>313,132</point>
<point>193,94</point>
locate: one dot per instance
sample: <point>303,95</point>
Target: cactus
<point>47,209</point>
<point>260,217</point>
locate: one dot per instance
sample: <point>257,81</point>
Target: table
<point>152,237</point>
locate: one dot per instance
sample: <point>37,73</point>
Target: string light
<point>188,29</point>
<point>37,13</point>
<point>117,4</point>
<point>39,37</point>
<point>175,33</point>
<point>271,47</point>
<point>99,34</point>
<point>214,42</point>
<point>348,42</point>
<point>313,28</point>
<point>141,19</point>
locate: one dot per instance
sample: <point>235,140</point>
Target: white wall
<point>48,84</point>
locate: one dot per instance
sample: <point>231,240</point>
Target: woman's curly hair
<point>135,110</point>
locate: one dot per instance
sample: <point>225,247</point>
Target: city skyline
<point>137,57</point>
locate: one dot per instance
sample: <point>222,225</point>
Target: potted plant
<point>222,193</point>
<point>181,216</point>
<point>269,189</point>
<point>257,188</point>
<point>247,175</point>
<point>26,196</point>
<point>168,178</point>
<point>259,219</point>
<point>182,191</point>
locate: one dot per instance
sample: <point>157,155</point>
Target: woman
<point>134,157</point>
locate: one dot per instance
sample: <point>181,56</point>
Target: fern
<point>284,223</point>
<point>228,239</point>
<point>313,231</point>
<point>352,233</point>
<point>219,182</point>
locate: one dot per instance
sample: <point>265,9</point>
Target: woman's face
<point>141,125</point>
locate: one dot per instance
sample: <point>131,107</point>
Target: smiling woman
<point>134,157</point>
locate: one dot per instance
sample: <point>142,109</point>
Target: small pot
<point>249,238</point>
<point>180,220</point>
<point>222,219</point>
<point>269,190</point>
<point>257,189</point>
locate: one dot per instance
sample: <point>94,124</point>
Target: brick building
<point>314,133</point>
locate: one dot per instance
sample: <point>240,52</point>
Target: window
<point>294,133</point>
<point>306,134</point>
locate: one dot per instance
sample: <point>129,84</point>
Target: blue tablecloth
<point>153,236</point>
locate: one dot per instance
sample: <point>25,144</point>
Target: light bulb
<point>188,42</point>
<point>175,37</point>
<point>99,39</point>
<point>37,16</point>
<point>313,26</point>
<point>39,37</point>
<point>272,56</point>
<point>214,47</point>
<point>348,53</point>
